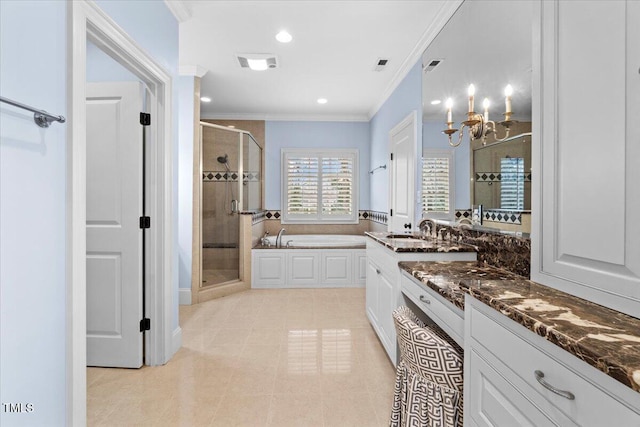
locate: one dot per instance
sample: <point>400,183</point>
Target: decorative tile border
<point>463,213</point>
<point>497,177</point>
<point>232,176</point>
<point>379,217</point>
<point>512,217</point>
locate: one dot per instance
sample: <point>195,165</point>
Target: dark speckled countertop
<point>606,339</point>
<point>413,242</point>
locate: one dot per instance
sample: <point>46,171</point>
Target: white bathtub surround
<point>310,261</point>
<point>319,241</point>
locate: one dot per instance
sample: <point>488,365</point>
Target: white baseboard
<point>184,296</point>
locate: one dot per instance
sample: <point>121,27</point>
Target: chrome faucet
<point>279,238</point>
<point>427,226</point>
<point>264,241</point>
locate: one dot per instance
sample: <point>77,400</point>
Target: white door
<point>114,237</point>
<point>401,189</point>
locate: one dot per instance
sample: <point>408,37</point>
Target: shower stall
<point>230,165</point>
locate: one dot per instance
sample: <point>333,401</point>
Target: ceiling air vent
<point>257,61</point>
<point>380,64</point>
<point>430,65</point>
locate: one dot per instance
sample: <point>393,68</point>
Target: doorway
<point>88,22</point>
<point>403,148</point>
<point>231,182</point>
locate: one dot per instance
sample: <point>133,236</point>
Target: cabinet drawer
<point>524,353</point>
<point>449,317</point>
<point>492,400</point>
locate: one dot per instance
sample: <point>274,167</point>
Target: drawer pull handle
<point>424,299</point>
<point>566,394</point>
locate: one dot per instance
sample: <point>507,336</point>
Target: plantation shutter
<point>302,187</point>
<point>512,183</point>
<point>337,185</point>
<point>435,185</point>
<point>319,186</point>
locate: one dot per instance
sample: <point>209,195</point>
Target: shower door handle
<point>234,206</point>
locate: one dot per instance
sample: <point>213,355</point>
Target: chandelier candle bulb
<point>471,91</point>
<point>508,91</point>
<point>449,104</point>
<point>486,104</point>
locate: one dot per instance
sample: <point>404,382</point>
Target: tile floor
<point>295,357</point>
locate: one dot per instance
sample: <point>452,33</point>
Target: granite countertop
<point>413,242</point>
<point>604,338</point>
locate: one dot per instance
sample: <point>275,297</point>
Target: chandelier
<point>478,125</point>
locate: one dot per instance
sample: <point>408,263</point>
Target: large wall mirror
<point>486,44</point>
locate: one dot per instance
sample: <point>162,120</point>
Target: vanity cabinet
<point>507,367</point>
<point>586,156</point>
<point>449,317</point>
<point>383,287</point>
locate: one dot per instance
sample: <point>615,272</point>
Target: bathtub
<point>310,261</point>
<point>319,240</point>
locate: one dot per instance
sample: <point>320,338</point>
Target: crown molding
<point>192,70</point>
<point>287,117</point>
<point>442,17</point>
<point>180,10</point>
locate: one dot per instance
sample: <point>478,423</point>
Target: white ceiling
<point>335,47</point>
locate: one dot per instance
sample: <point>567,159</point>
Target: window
<point>319,186</point>
<point>512,183</point>
<point>437,184</point>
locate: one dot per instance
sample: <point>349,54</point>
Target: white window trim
<point>441,153</point>
<point>353,218</point>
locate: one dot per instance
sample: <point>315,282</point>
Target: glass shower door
<point>220,225</point>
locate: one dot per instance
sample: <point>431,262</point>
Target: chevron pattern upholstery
<point>428,389</point>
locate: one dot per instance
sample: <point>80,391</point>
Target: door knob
<point>407,225</point>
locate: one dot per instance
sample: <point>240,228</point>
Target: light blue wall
<point>186,87</point>
<point>103,68</point>
<point>33,193</point>
<point>32,212</point>
<point>280,135</point>
<point>406,98</point>
<point>432,137</point>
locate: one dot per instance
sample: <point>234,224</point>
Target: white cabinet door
<point>268,269</point>
<point>387,302</point>
<point>359,267</point>
<point>586,168</point>
<point>371,292</point>
<point>303,268</point>
<point>336,269</point>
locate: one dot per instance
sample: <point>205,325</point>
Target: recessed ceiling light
<point>205,99</point>
<point>322,100</point>
<point>284,37</point>
<point>435,102</point>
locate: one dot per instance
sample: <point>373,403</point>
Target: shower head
<point>223,159</point>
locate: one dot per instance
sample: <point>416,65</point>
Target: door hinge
<point>391,156</point>
<point>145,119</point>
<point>145,324</point>
<point>145,222</point>
<point>391,213</point>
